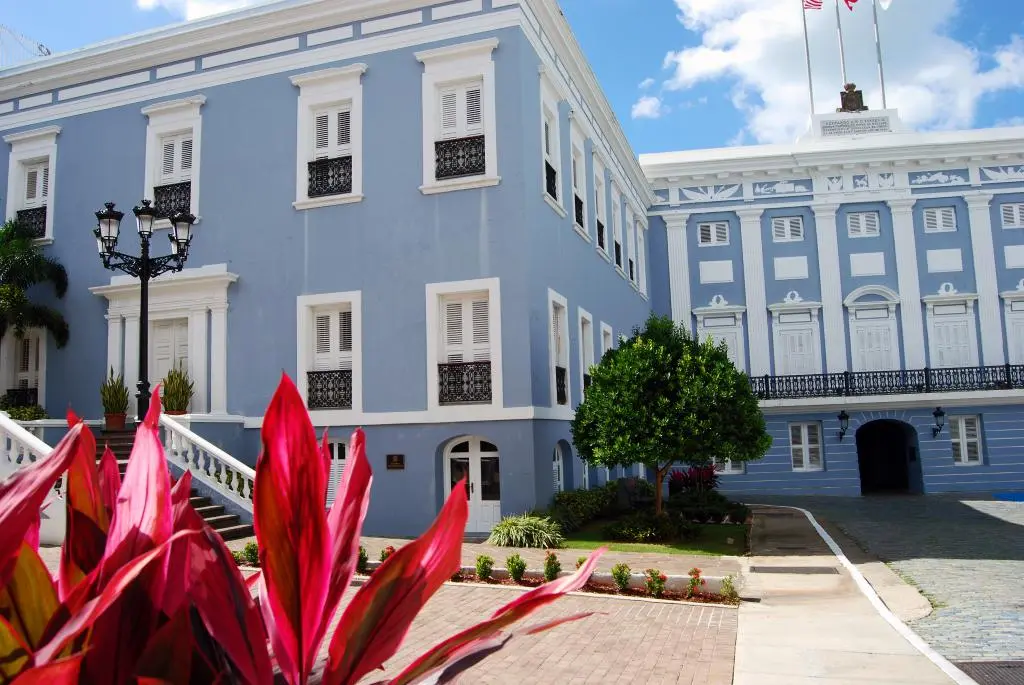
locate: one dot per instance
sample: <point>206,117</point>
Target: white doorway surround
<point>796,336</point>
<point>723,322</point>
<point>193,304</point>
<point>952,328</point>
<point>874,339</point>
<point>478,461</point>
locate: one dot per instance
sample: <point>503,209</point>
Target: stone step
<point>197,501</point>
<point>222,521</point>
<point>244,530</point>
<point>210,510</point>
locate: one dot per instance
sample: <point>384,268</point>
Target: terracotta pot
<point>175,412</point>
<point>115,422</point>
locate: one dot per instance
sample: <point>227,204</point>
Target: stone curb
<point>581,593</point>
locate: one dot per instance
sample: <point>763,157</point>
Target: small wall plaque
<point>396,462</point>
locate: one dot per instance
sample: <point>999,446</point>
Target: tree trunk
<point>659,477</point>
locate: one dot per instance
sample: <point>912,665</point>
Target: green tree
<point>24,264</point>
<point>663,397</point>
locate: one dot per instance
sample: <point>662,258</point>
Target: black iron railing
<point>458,157</point>
<point>330,176</point>
<point>464,383</point>
<point>34,219</point>
<point>172,197</point>
<point>579,211</point>
<point>22,397</point>
<point>911,381</point>
<point>551,180</point>
<point>600,234</point>
<point>561,387</point>
<point>329,389</point>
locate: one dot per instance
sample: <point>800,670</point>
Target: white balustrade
<point>18,449</point>
<point>209,464</point>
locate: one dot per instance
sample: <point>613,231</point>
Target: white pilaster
<point>756,300</point>
<point>979,210</point>
<point>679,269</point>
<point>833,315</point>
<point>115,331</point>
<point>908,281</point>
<point>219,359</point>
<point>197,358</point>
<point>131,359</point>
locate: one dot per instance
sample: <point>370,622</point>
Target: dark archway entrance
<point>888,458</point>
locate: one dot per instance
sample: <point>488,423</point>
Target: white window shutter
<point>322,137</point>
<point>185,163</point>
<point>722,232</point>
<point>338,454</point>
<point>971,435</point>
<point>480,316</point>
<point>705,234</point>
<point>345,331</point>
<point>32,185</point>
<point>453,339</point>
<point>44,189</point>
<point>167,162</point>
<point>556,332</point>
<point>796,228</point>
<point>1013,215</point>
<point>853,224</point>
<point>871,223</point>
<point>796,445</point>
<point>931,220</point>
<point>779,230</point>
<point>323,356</point>
<point>474,109</point>
<point>449,113</point>
<point>344,128</point>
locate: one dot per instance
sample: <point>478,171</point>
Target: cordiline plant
<point>147,592</point>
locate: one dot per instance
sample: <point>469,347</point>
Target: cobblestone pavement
<point>966,553</point>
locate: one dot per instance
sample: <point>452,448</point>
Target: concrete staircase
<point>229,526</point>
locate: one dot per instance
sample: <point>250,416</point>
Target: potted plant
<point>114,395</point>
<point>177,391</point>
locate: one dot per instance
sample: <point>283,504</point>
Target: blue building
<point>427,214</point>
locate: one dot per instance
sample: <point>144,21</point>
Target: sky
<point>685,74</point>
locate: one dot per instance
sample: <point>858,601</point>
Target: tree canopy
<point>663,397</point>
<point>24,264</point>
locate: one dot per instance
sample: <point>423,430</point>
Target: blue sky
<point>703,73</point>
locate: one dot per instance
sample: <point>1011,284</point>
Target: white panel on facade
<point>950,309</point>
<point>714,321</point>
<point>867,314</point>
<point>799,352</point>
<point>790,268</point>
<point>716,272</point>
<point>867,264</point>
<point>1014,256</point>
<point>803,317</point>
<point>874,344</point>
<point>942,261</point>
<point>951,344</point>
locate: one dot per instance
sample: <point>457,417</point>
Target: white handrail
<point>208,463</point>
<point>18,449</point>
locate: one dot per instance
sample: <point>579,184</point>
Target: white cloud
<point>649,107</point>
<point>195,9</point>
<point>646,83</point>
<point>757,47</point>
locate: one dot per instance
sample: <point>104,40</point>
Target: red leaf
<point>378,617</point>
<point>168,655</point>
<point>110,480</point>
<point>87,516</point>
<point>63,672</point>
<point>291,528</point>
<point>29,599</point>
<point>14,653</point>
<point>23,493</point>
<point>32,532</point>
<point>73,418</point>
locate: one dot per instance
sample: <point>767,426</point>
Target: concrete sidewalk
<point>813,624</point>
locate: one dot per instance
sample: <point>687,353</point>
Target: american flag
<point>812,4</point>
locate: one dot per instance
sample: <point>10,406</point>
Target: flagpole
<point>842,49</point>
<point>878,49</point>
<point>807,54</point>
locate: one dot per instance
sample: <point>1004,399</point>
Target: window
<point>862,224</point>
<point>641,258</point>
<point>713,233</point>
<point>607,341</point>
<point>556,470</point>
<point>617,226</point>
<point>586,349</point>
<point>23,378</point>
<point>551,154</point>
<point>30,178</point>
<point>787,229</point>
<point>630,247</point>
<point>952,332</point>
<point>796,336</point>
<point>727,467</point>
<point>579,188</point>
<point>940,220</point>
<point>559,349</point>
<point>329,167</point>
<point>338,454</point>
<point>600,202</point>
<point>640,471</point>
<point>723,323</point>
<point>1012,214</point>
<point>173,143</point>
<point>465,360</point>
<point>963,431</point>
<point>805,446</point>
<point>459,118</point>
<point>330,354</point>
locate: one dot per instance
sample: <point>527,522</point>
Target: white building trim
<point>723,322</point>
<point>951,307</point>
<point>555,298</point>
<point>794,316</point>
<point>874,317</point>
<point>1013,308</point>
<point>833,316</point>
<point>909,281</point>
<point>38,146</point>
<point>168,118</point>
<point>586,344</point>
<point>189,294</point>
<point>305,307</point>
<point>756,299</point>
<point>985,277</point>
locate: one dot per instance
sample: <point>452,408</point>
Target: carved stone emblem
<point>852,99</point>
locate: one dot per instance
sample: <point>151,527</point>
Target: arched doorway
<point>478,461</point>
<point>558,469</point>
<point>888,458</point>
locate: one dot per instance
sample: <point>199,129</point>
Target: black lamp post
<point>143,267</point>
<point>940,421</point>
<point>844,424</point>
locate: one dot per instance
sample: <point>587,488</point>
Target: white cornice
<point>459,50</point>
<point>193,102</point>
<point>351,71</point>
<point>35,134</point>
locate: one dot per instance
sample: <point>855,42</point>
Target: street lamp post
<point>143,267</point>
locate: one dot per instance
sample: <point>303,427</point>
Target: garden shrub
<point>31,412</point>
<point>516,567</point>
<point>363,562</point>
<point>552,566</point>
<point>580,561</point>
<point>654,579</point>
<point>251,554</point>
<point>696,582</point>
<point>576,508</point>
<point>645,526</point>
<point>484,567</point>
<point>738,513</point>
<point>621,574</point>
<point>526,531</point>
<point>386,552</point>
<point>729,589</point>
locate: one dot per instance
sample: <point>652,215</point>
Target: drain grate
<point>798,570</point>
<point>994,672</point>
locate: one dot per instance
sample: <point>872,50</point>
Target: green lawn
<point>712,541</point>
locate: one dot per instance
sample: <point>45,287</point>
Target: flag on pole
<point>850,3</point>
<point>812,4</point>
<point>885,3</point>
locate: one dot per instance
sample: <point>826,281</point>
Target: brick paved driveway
<point>966,552</point>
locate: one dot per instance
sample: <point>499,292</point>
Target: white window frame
<point>557,300</point>
<point>964,441</point>
<point>339,455</point>
<point>873,310</point>
<point>607,339</point>
<point>1013,313</point>
<point>601,212</point>
<point>173,118</point>
<point>617,210</point>
<point>860,230</point>
<point>721,317</point>
<point>435,294</point>
<point>727,467</point>
<point>713,235</point>
<point>578,180</point>
<point>641,255</point>
<point>29,149</point>
<point>805,448</point>
<point>793,314</point>
<point>307,306</point>
<point>792,229</point>
<point>941,219</point>
<point>328,89</point>
<point>1013,211</point>
<point>450,65</point>
<point>551,144</point>
<point>10,353</point>
<point>951,306</point>
<point>630,254</point>
<point>586,344</point>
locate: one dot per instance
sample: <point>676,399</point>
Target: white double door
<point>478,462</point>
<point>168,347</point>
<point>875,345</point>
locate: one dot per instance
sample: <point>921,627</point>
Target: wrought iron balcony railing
<point>910,381</point>
<point>330,176</point>
<point>561,386</point>
<point>172,197</point>
<point>329,389</point>
<point>34,219</point>
<point>22,397</point>
<point>600,234</point>
<point>551,180</point>
<point>464,383</point>
<point>579,211</point>
<point>458,157</point>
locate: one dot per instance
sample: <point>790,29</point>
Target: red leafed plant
<point>147,592</point>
